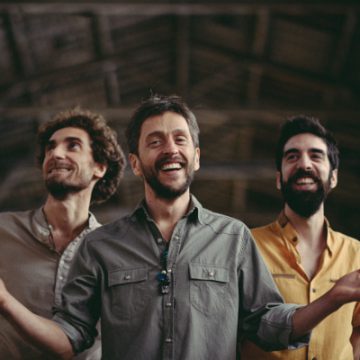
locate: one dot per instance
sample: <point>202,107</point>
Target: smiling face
<point>167,157</point>
<point>68,165</point>
<point>306,176</point>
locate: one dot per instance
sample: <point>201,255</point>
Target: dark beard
<point>61,190</point>
<point>166,192</point>
<point>161,190</point>
<point>304,203</point>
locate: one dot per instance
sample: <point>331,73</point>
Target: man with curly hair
<point>172,280</point>
<point>81,163</point>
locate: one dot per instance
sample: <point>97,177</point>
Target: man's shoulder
<point>263,229</point>
<point>7,217</point>
<point>347,240</point>
<point>113,228</point>
<point>222,222</point>
<point>267,235</point>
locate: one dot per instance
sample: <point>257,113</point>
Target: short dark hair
<point>158,105</point>
<point>105,147</point>
<point>301,124</point>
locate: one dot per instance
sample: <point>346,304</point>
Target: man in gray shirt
<point>172,280</point>
<point>81,162</point>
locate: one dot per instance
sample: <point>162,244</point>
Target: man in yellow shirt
<point>303,253</point>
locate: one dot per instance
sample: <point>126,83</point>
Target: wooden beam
<point>182,55</point>
<point>259,47</point>
<point>156,9</point>
<point>210,116</point>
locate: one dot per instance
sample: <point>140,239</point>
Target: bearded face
<point>63,179</point>
<point>169,164</point>
<point>68,166</point>
<point>167,157</point>
<point>305,202</point>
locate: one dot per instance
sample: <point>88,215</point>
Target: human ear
<point>278,180</point>
<point>333,178</point>
<point>135,164</point>
<point>100,170</point>
<point>197,159</point>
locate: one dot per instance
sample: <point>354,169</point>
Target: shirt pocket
<point>208,284</point>
<point>128,291</point>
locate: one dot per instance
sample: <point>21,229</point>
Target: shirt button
<point>168,340</point>
<point>314,358</point>
<point>159,240</point>
<point>168,304</point>
<point>169,270</point>
<point>211,273</point>
<point>127,277</point>
<point>314,291</point>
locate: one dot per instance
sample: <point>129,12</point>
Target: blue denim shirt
<point>219,292</point>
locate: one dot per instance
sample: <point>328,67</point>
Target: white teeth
<point>304,181</point>
<point>171,166</point>
<point>59,169</point>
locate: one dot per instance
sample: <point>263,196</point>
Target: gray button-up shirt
<point>35,274</point>
<point>220,291</point>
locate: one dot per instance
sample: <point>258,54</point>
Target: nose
<point>170,147</point>
<point>57,152</point>
<point>305,162</point>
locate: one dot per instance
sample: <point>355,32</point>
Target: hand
<point>4,295</point>
<point>347,288</point>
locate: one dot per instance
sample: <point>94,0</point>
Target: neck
<point>166,213</point>
<point>310,229</point>
<point>67,218</point>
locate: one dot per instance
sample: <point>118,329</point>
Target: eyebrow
<point>312,150</point>
<point>68,139</point>
<point>161,133</point>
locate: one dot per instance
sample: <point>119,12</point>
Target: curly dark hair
<point>105,147</point>
<point>157,105</point>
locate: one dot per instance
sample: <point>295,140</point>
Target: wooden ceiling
<point>242,66</point>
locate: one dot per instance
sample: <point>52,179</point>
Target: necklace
<point>163,277</point>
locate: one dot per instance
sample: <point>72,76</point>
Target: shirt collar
<point>195,210</point>
<point>41,228</point>
<point>288,231</point>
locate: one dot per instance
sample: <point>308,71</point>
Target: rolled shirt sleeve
<point>269,325</point>
<point>80,303</point>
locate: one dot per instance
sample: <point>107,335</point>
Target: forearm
<point>346,289</point>
<point>307,317</point>
<point>42,332</point>
<point>355,342</point>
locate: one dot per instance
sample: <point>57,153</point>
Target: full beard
<point>165,191</point>
<point>305,202</point>
<point>61,189</point>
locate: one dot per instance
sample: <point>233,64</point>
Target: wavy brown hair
<point>105,147</point>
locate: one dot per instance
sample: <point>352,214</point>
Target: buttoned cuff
<point>79,340</point>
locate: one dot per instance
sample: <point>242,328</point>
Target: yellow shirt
<point>330,339</point>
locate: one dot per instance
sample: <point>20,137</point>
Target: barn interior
<point>242,66</point>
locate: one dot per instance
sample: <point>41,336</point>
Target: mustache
<point>166,159</point>
<point>300,173</point>
<point>58,164</point>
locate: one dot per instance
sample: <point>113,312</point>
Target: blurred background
<point>242,66</point>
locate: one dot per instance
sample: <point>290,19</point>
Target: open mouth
<point>170,166</point>
<point>305,181</point>
<point>59,168</point>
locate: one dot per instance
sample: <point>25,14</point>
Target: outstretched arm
<point>355,342</point>
<point>42,332</point>
<point>346,289</point>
